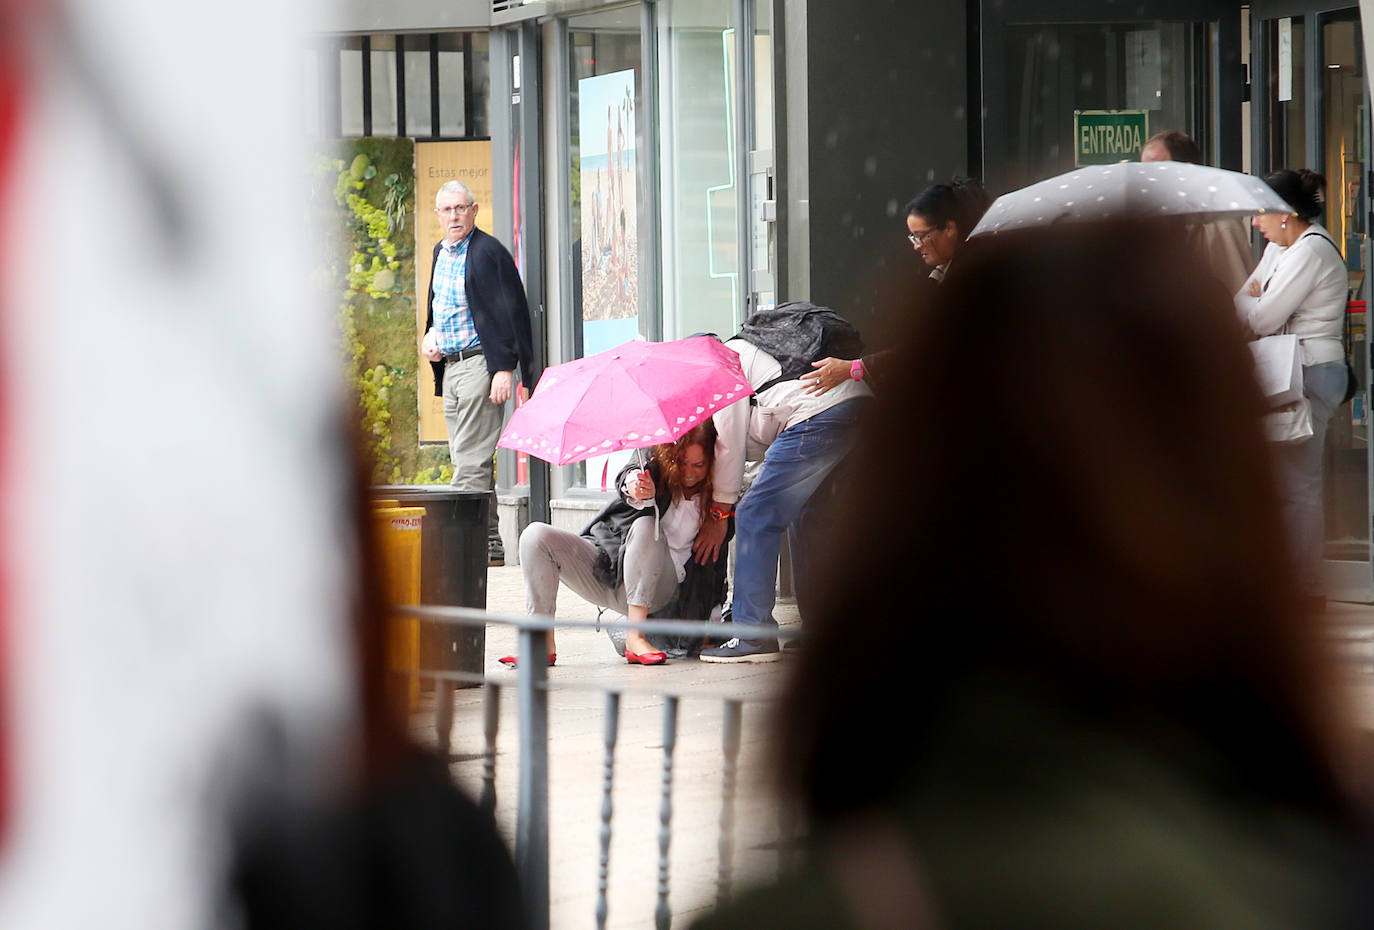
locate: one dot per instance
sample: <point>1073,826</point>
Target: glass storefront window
<point>480,93</point>
<point>604,124</point>
<point>1346,128</point>
<point>351,86</point>
<point>452,87</point>
<point>603,118</point>
<point>763,75</point>
<point>762,246</point>
<point>700,190</point>
<point>419,120</point>
<point>1054,69</point>
<point>1287,46</point>
<point>369,75</point>
<point>383,57</point>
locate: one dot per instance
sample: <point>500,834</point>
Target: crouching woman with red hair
<point>635,557</point>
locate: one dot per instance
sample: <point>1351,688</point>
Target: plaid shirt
<point>454,330</point>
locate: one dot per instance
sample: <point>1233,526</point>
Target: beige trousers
<point>549,555</point>
<point>474,423</point>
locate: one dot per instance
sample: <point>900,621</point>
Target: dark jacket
<point>702,587</point>
<point>496,297</point>
<point>411,850</point>
<point>876,368</point>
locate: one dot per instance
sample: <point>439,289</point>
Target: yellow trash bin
<point>397,531</point>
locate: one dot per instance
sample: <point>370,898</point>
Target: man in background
<point>477,332</point>
<point>1225,244</point>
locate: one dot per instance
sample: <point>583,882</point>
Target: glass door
<point>1160,69</point>
<point>1344,135</point>
<point>1314,113</point>
<point>1285,43</point>
<point>1168,65</point>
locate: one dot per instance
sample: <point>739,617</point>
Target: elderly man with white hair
<point>477,332</point>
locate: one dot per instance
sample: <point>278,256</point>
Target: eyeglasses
<point>917,239</point>
<point>456,208</point>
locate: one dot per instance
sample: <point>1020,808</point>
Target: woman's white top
<point>678,526</point>
<point>1304,294</point>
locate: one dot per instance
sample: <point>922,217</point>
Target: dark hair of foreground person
<point>393,842</point>
<point>1058,674</point>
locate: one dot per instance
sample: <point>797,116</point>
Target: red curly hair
<point>667,456</point>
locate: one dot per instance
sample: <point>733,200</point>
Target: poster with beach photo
<point>610,233</point>
<point>610,241</point>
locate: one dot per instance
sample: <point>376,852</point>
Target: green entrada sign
<point>1105,137</point>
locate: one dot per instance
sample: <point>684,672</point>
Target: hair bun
<point>1313,184</point>
<point>1301,188</point>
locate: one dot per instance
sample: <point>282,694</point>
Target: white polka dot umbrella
<point>1132,189</point>
<point>636,395</point>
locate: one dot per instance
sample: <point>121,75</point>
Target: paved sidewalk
<point>587,668</point>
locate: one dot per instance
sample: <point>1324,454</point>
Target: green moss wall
<point>363,211</point>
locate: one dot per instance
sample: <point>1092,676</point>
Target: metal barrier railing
<point>532,811</point>
<point>533,687</point>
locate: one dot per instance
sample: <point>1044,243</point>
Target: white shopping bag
<point>1290,423</point>
<point>1278,368</point>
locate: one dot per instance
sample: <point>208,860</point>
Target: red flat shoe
<point>645,658</point>
<point>510,661</point>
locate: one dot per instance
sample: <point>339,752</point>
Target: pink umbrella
<point>635,395</point>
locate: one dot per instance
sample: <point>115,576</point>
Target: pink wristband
<point>856,370</point>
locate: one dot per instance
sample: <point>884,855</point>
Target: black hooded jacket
<point>703,586</point>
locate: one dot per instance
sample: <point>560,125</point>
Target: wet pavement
<point>588,667</point>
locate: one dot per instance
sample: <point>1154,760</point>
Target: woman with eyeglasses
<point>1299,287</point>
<point>938,221</point>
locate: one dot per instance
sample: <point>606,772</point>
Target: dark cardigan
<point>496,297</point>
<point>703,586</point>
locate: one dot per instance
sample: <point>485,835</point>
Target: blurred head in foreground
<point>398,845</point>
<point>1069,608</point>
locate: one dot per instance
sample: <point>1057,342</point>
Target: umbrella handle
<point>643,463</point>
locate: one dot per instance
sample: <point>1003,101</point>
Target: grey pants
<point>474,422</point>
<point>549,555</point>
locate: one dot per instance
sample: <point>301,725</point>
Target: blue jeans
<point>796,464</point>
<point>1300,474</point>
